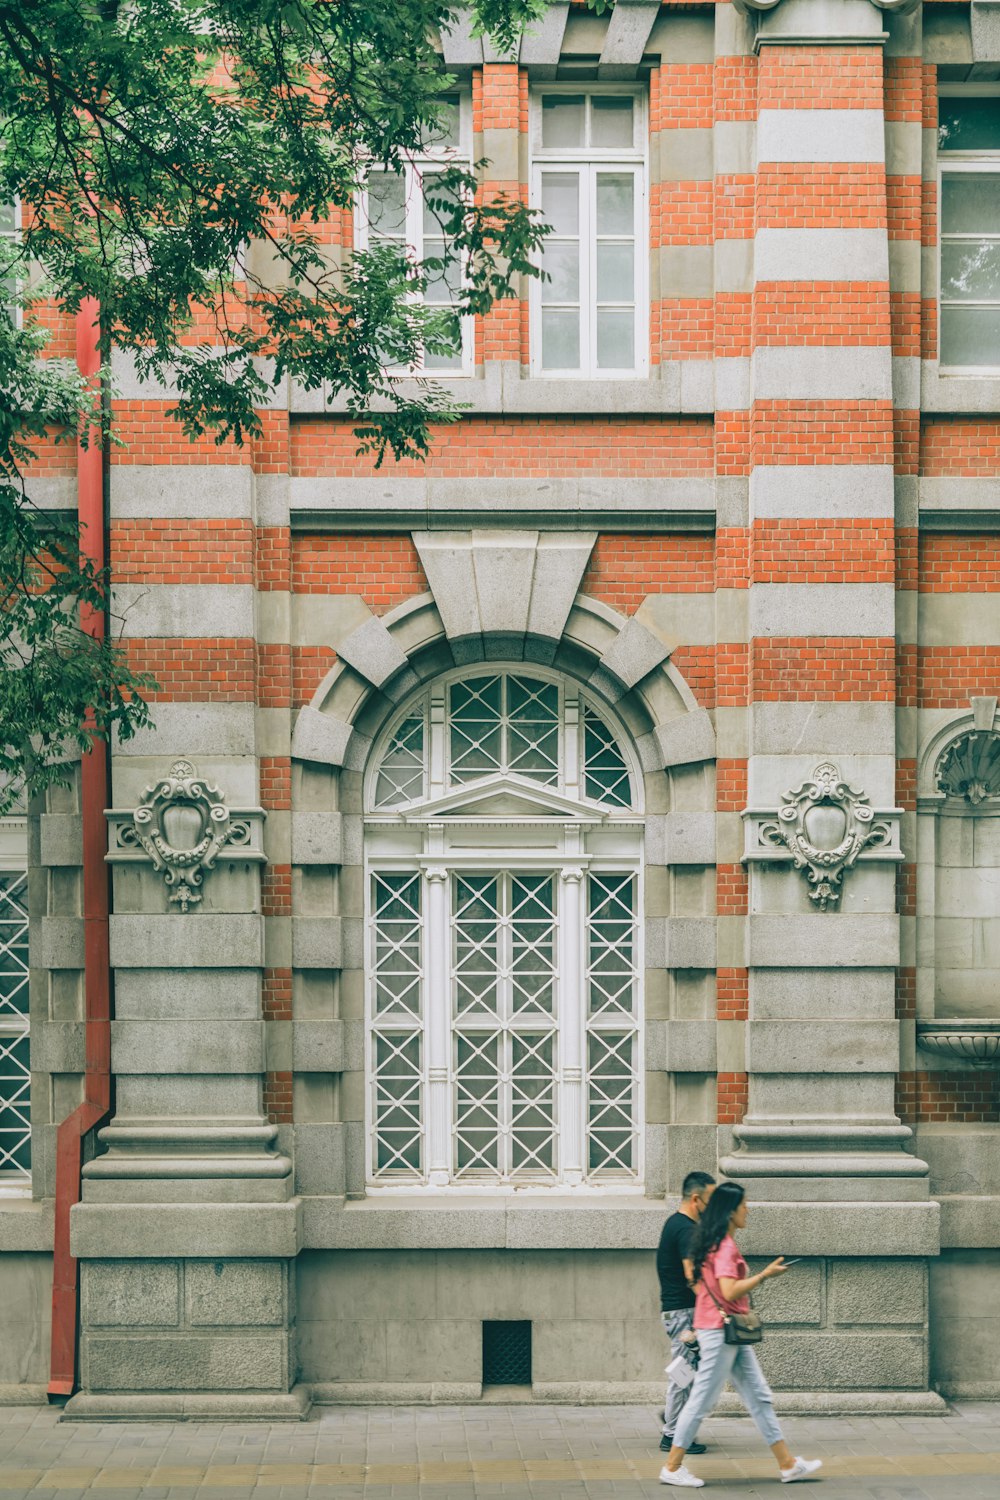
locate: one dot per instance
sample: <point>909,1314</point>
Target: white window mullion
<point>439,1042</point>
<point>588,278</point>
<point>505,1008</point>
<point>572,1031</point>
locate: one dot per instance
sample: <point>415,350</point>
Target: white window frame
<point>14,234</point>
<point>438,847</point>
<point>14,1182</point>
<point>952,163</point>
<point>589,160</point>
<point>415,165</point>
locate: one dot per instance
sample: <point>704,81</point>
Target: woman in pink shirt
<point>722,1286</point>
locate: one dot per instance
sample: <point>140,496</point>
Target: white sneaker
<point>681,1477</point>
<point>801,1469</point>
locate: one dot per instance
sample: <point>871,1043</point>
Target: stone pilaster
<point>822,1042</point>
<point>189,1226</point>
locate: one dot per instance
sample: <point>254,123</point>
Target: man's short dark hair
<point>695,1181</point>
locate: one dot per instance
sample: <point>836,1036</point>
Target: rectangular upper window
<point>404,209</point>
<point>969,298</point>
<point>591,317</point>
<point>9,225</point>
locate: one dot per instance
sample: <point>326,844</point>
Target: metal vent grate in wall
<point>507,1353</point>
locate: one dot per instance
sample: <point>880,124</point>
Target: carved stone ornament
<point>824,827</point>
<point>974,1041</point>
<point>183,825</point>
<point>970,767</point>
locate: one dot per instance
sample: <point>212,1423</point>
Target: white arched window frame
<point>503,851</point>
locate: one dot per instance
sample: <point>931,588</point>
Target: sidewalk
<point>486,1452</point>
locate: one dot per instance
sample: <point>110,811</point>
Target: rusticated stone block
<point>870,1362</point>
<point>184,1363</point>
<point>131,1294</point>
<point>794,1298</point>
<point>878,1291</point>
<point>234,1293</point>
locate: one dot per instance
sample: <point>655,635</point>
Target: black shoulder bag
<point>738,1328</point>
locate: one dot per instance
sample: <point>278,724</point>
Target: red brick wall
<point>961,1096</point>
<point>733,1097</point>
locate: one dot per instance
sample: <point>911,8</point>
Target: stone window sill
<point>616,1221</point>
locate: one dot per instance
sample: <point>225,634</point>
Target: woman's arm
<point>732,1290</point>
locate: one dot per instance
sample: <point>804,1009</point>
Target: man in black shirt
<point>675,1270</point>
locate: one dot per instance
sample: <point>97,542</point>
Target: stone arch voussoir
<point>503,595</point>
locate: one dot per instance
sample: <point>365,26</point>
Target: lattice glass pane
<point>15,1105</point>
<point>476,735</point>
<point>970,336</point>
<point>615,339</point>
<point>398,972</point>
<point>970,202</point>
<point>477,1103</point>
<point>563,119</point>
<point>970,270</point>
<point>611,1100</point>
<point>13,943</point>
<point>560,339</point>
<point>611,969</point>
<point>387,205</point>
<point>401,774</point>
<point>605,774</point>
<point>533,942</point>
<point>615,203</point>
<point>561,261</point>
<point>561,202</point>
<point>533,1103</point>
<point>615,270</point>
<point>446,133</point>
<point>398,1097</point>
<point>477,920</point>
<point>611,120</point>
<point>968,124</point>
<point>533,729</point>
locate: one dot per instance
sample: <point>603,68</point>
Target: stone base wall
<point>965,1323</point>
<point>25,1323</point>
<point>377,1325</point>
<point>177,1326</point>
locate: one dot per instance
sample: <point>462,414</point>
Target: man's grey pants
<point>674,1324</point>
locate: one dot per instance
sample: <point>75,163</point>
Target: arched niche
<point>958,883</point>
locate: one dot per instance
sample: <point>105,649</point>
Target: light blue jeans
<point>721,1362</point>
<point>674,1324</point>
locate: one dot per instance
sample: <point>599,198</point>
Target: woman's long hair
<point>713,1226</point>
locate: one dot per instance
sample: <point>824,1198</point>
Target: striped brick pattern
<point>819,530</point>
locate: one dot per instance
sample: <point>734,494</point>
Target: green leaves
<point>51,671</point>
<point>151,145</point>
<point>181,161</point>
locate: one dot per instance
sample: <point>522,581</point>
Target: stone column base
<point>204,1406</point>
<point>182,1338</point>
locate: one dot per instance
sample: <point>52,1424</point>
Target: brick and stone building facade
<point>617,793</point>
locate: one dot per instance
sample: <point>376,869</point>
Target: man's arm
<point>688,1270</point>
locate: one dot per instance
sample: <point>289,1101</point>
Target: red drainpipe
<point>96,908</point>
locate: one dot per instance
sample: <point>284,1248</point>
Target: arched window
<point>503,848</point>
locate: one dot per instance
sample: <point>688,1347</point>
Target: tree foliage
<point>178,160</point>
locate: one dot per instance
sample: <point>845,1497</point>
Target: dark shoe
<point>667,1442</point>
